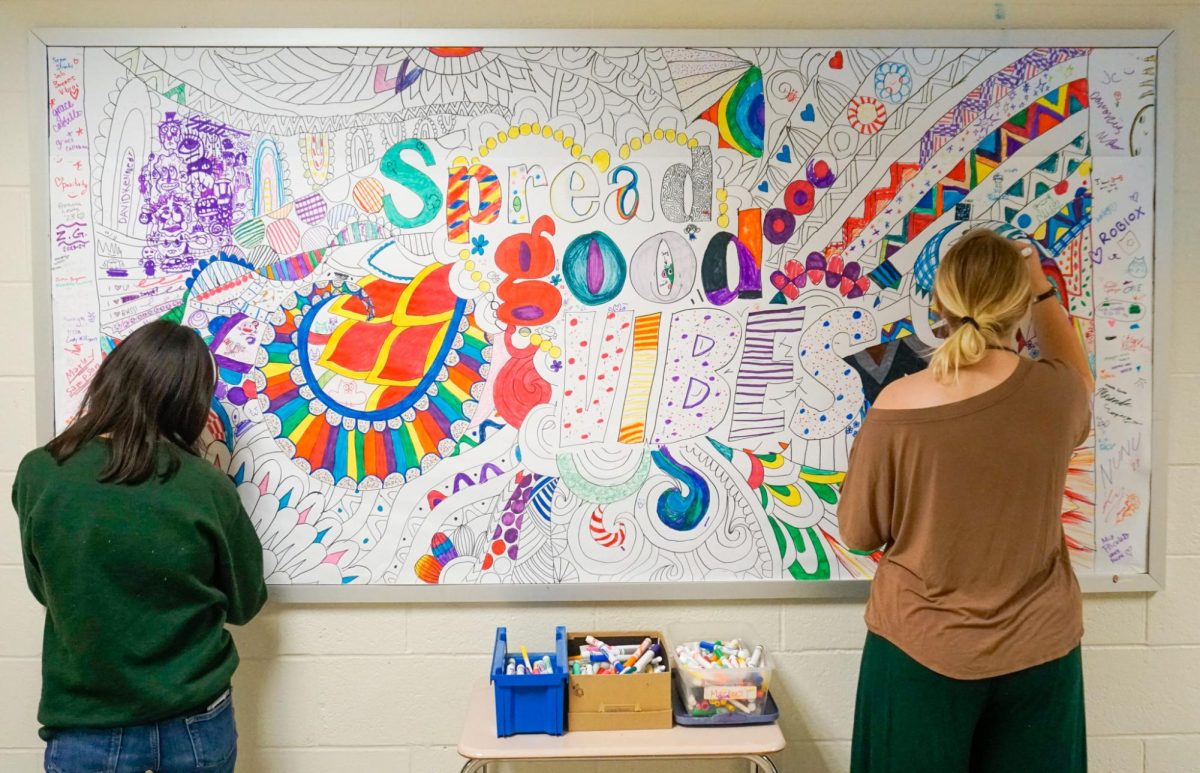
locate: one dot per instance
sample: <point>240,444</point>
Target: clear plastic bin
<point>708,692</point>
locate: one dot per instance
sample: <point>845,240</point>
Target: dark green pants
<point>909,719</point>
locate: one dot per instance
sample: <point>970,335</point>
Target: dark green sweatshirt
<point>138,583</point>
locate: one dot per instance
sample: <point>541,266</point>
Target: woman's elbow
<point>862,540</point>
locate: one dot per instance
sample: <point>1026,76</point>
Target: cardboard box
<point>619,702</point>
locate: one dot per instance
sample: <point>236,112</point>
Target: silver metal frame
<point>1152,580</point>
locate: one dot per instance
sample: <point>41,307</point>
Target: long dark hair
<point>155,386</point>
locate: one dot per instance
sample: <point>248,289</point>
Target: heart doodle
<point>836,62</point>
<point>784,155</point>
<point>808,114</point>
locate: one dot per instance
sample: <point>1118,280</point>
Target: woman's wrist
<point>1040,288</point>
<point>1046,295</point>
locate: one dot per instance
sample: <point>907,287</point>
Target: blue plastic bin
<point>532,703</point>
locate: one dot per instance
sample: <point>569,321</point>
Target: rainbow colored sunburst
<point>374,382</point>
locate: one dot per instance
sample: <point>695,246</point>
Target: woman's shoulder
<point>911,391</point>
<point>202,483</point>
<point>37,474</point>
<point>1058,373</point>
<point>37,462</point>
<point>196,470</point>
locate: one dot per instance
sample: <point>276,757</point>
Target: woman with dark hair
<point>141,552</point>
<point>972,659</point>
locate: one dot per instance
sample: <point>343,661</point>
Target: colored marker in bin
<point>722,677</point>
<point>539,666</point>
<point>599,658</point>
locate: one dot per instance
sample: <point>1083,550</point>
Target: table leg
<point>762,763</point>
<point>475,766</point>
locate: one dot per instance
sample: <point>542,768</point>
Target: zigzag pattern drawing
<point>992,89</point>
<point>1066,224</point>
<point>1050,172</point>
<point>1032,65</point>
<point>1042,115</point>
<point>874,203</point>
<point>850,175</point>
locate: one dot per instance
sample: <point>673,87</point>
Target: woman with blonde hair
<point>972,659</point>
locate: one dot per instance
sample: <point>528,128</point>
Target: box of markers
<point>618,680</point>
<point>530,687</point>
<point>721,670</point>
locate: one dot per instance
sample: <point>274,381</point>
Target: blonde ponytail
<point>982,292</point>
<point>965,346</point>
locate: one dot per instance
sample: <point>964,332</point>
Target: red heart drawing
<point>836,61</point>
<point>1061,188</point>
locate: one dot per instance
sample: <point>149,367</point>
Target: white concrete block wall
<point>382,688</point>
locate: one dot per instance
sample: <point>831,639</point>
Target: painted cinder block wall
<point>382,688</point>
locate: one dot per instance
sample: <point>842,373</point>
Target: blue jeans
<point>197,743</point>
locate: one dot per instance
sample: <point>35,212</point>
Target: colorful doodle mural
<point>572,315</point>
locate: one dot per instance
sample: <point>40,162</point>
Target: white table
<point>481,747</point>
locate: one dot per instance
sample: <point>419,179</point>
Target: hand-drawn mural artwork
<point>573,315</point>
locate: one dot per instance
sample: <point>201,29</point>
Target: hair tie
<point>970,321</point>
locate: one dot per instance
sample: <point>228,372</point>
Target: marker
<point>512,668</point>
<point>756,658</point>
<point>592,640</point>
<point>520,669</point>
<point>525,657</point>
<point>644,660</point>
